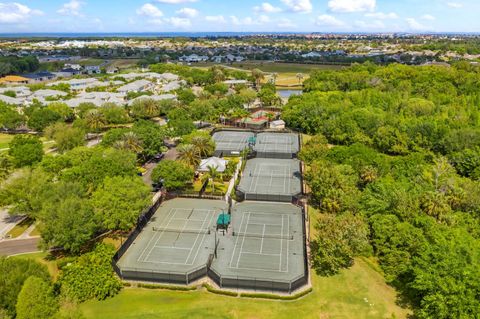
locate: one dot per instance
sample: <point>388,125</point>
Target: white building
<point>136,86</point>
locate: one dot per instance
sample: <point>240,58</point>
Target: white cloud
<point>300,6</point>
<point>326,20</point>
<point>179,22</point>
<point>176,1</point>
<point>187,12</point>
<point>352,5</point>
<point>375,25</point>
<point>216,19</point>
<point>414,25</point>
<point>286,23</point>
<point>149,10</point>
<point>71,8</point>
<point>16,13</point>
<point>382,16</point>
<point>266,8</point>
<point>428,17</point>
<point>249,20</point>
<point>455,5</point>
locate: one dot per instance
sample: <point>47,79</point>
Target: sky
<point>240,16</point>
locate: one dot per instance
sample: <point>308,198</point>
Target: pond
<point>287,93</point>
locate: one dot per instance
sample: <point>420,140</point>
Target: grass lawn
<point>5,140</point>
<point>20,228</point>
<point>274,67</point>
<point>43,258</point>
<point>359,292</point>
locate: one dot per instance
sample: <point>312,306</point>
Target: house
<point>40,76</point>
<point>235,82</point>
<point>42,95</point>
<point>77,67</point>
<point>92,69</point>
<point>14,79</point>
<point>219,163</point>
<point>193,58</point>
<point>96,98</point>
<point>112,70</point>
<point>136,86</point>
<point>12,100</point>
<point>81,84</point>
<point>172,86</point>
<point>278,124</point>
<point>20,91</point>
<point>68,72</point>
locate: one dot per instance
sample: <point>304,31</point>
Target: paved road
<point>19,246</point>
<point>171,154</point>
<point>7,222</point>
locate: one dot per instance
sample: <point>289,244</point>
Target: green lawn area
<point>275,67</point>
<point>5,139</point>
<point>20,228</point>
<point>359,292</point>
<point>43,258</point>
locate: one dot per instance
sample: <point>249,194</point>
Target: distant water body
<point>141,35</point>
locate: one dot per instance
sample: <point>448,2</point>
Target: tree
<point>114,114</point>
<point>299,77</point>
<point>63,109</point>
<point>41,117</point>
<point>145,108</point>
<point>129,141</point>
<point>10,119</point>
<point>152,136</point>
<point>213,174</point>
<point>91,276</point>
<point>189,155</point>
<point>65,137</point>
<point>205,146</point>
<point>5,166</point>
<point>181,127</point>
<point>174,175</point>
<point>339,239</point>
<point>24,194</point>
<point>119,202</point>
<point>36,300</point>
<point>13,273</point>
<point>274,77</point>
<point>68,223</point>
<point>95,120</point>
<point>25,150</point>
<point>258,75</point>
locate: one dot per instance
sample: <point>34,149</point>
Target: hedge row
<point>277,297</point>
<point>169,287</point>
<point>220,292</point>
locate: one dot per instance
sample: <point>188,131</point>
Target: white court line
<point>264,224</point>
<point>263,237</point>
<point>236,241</point>
<point>258,269</point>
<point>151,239</point>
<point>243,241</point>
<point>203,239</point>
<point>288,242</point>
<point>171,247</point>
<point>259,254</point>
<point>161,234</point>
<point>196,239</point>
<point>281,249</point>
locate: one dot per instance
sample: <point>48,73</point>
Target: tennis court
<point>277,145</point>
<point>176,244</point>
<point>265,249</point>
<point>270,180</point>
<point>231,142</point>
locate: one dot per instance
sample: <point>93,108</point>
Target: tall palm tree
<point>299,77</point>
<point>203,145</point>
<point>213,175</point>
<point>258,75</point>
<point>151,107</point>
<point>274,77</point>
<point>189,155</point>
<point>131,142</point>
<point>95,120</point>
<point>5,166</point>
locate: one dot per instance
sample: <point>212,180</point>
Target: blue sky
<point>240,15</point>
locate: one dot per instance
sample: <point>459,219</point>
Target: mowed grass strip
<point>359,292</point>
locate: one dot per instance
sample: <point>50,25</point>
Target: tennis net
<point>188,231</point>
<point>284,176</point>
<point>274,236</point>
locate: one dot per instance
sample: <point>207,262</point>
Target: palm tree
<point>151,107</point>
<point>213,175</point>
<point>189,155</point>
<point>203,145</point>
<point>299,77</point>
<point>258,75</point>
<point>274,77</point>
<point>95,120</point>
<point>130,142</point>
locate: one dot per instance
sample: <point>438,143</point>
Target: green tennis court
<point>231,142</point>
<point>277,145</point>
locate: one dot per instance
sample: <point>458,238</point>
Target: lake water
<point>287,93</point>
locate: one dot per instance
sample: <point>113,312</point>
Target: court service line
<point>263,237</point>
<point>196,239</point>
<point>151,239</point>
<point>243,241</point>
<point>203,238</point>
<point>161,234</point>
<point>281,248</point>
<point>236,241</point>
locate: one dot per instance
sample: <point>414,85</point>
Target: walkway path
<point>19,246</point>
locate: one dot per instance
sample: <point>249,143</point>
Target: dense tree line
<point>14,64</point>
<point>400,181</point>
